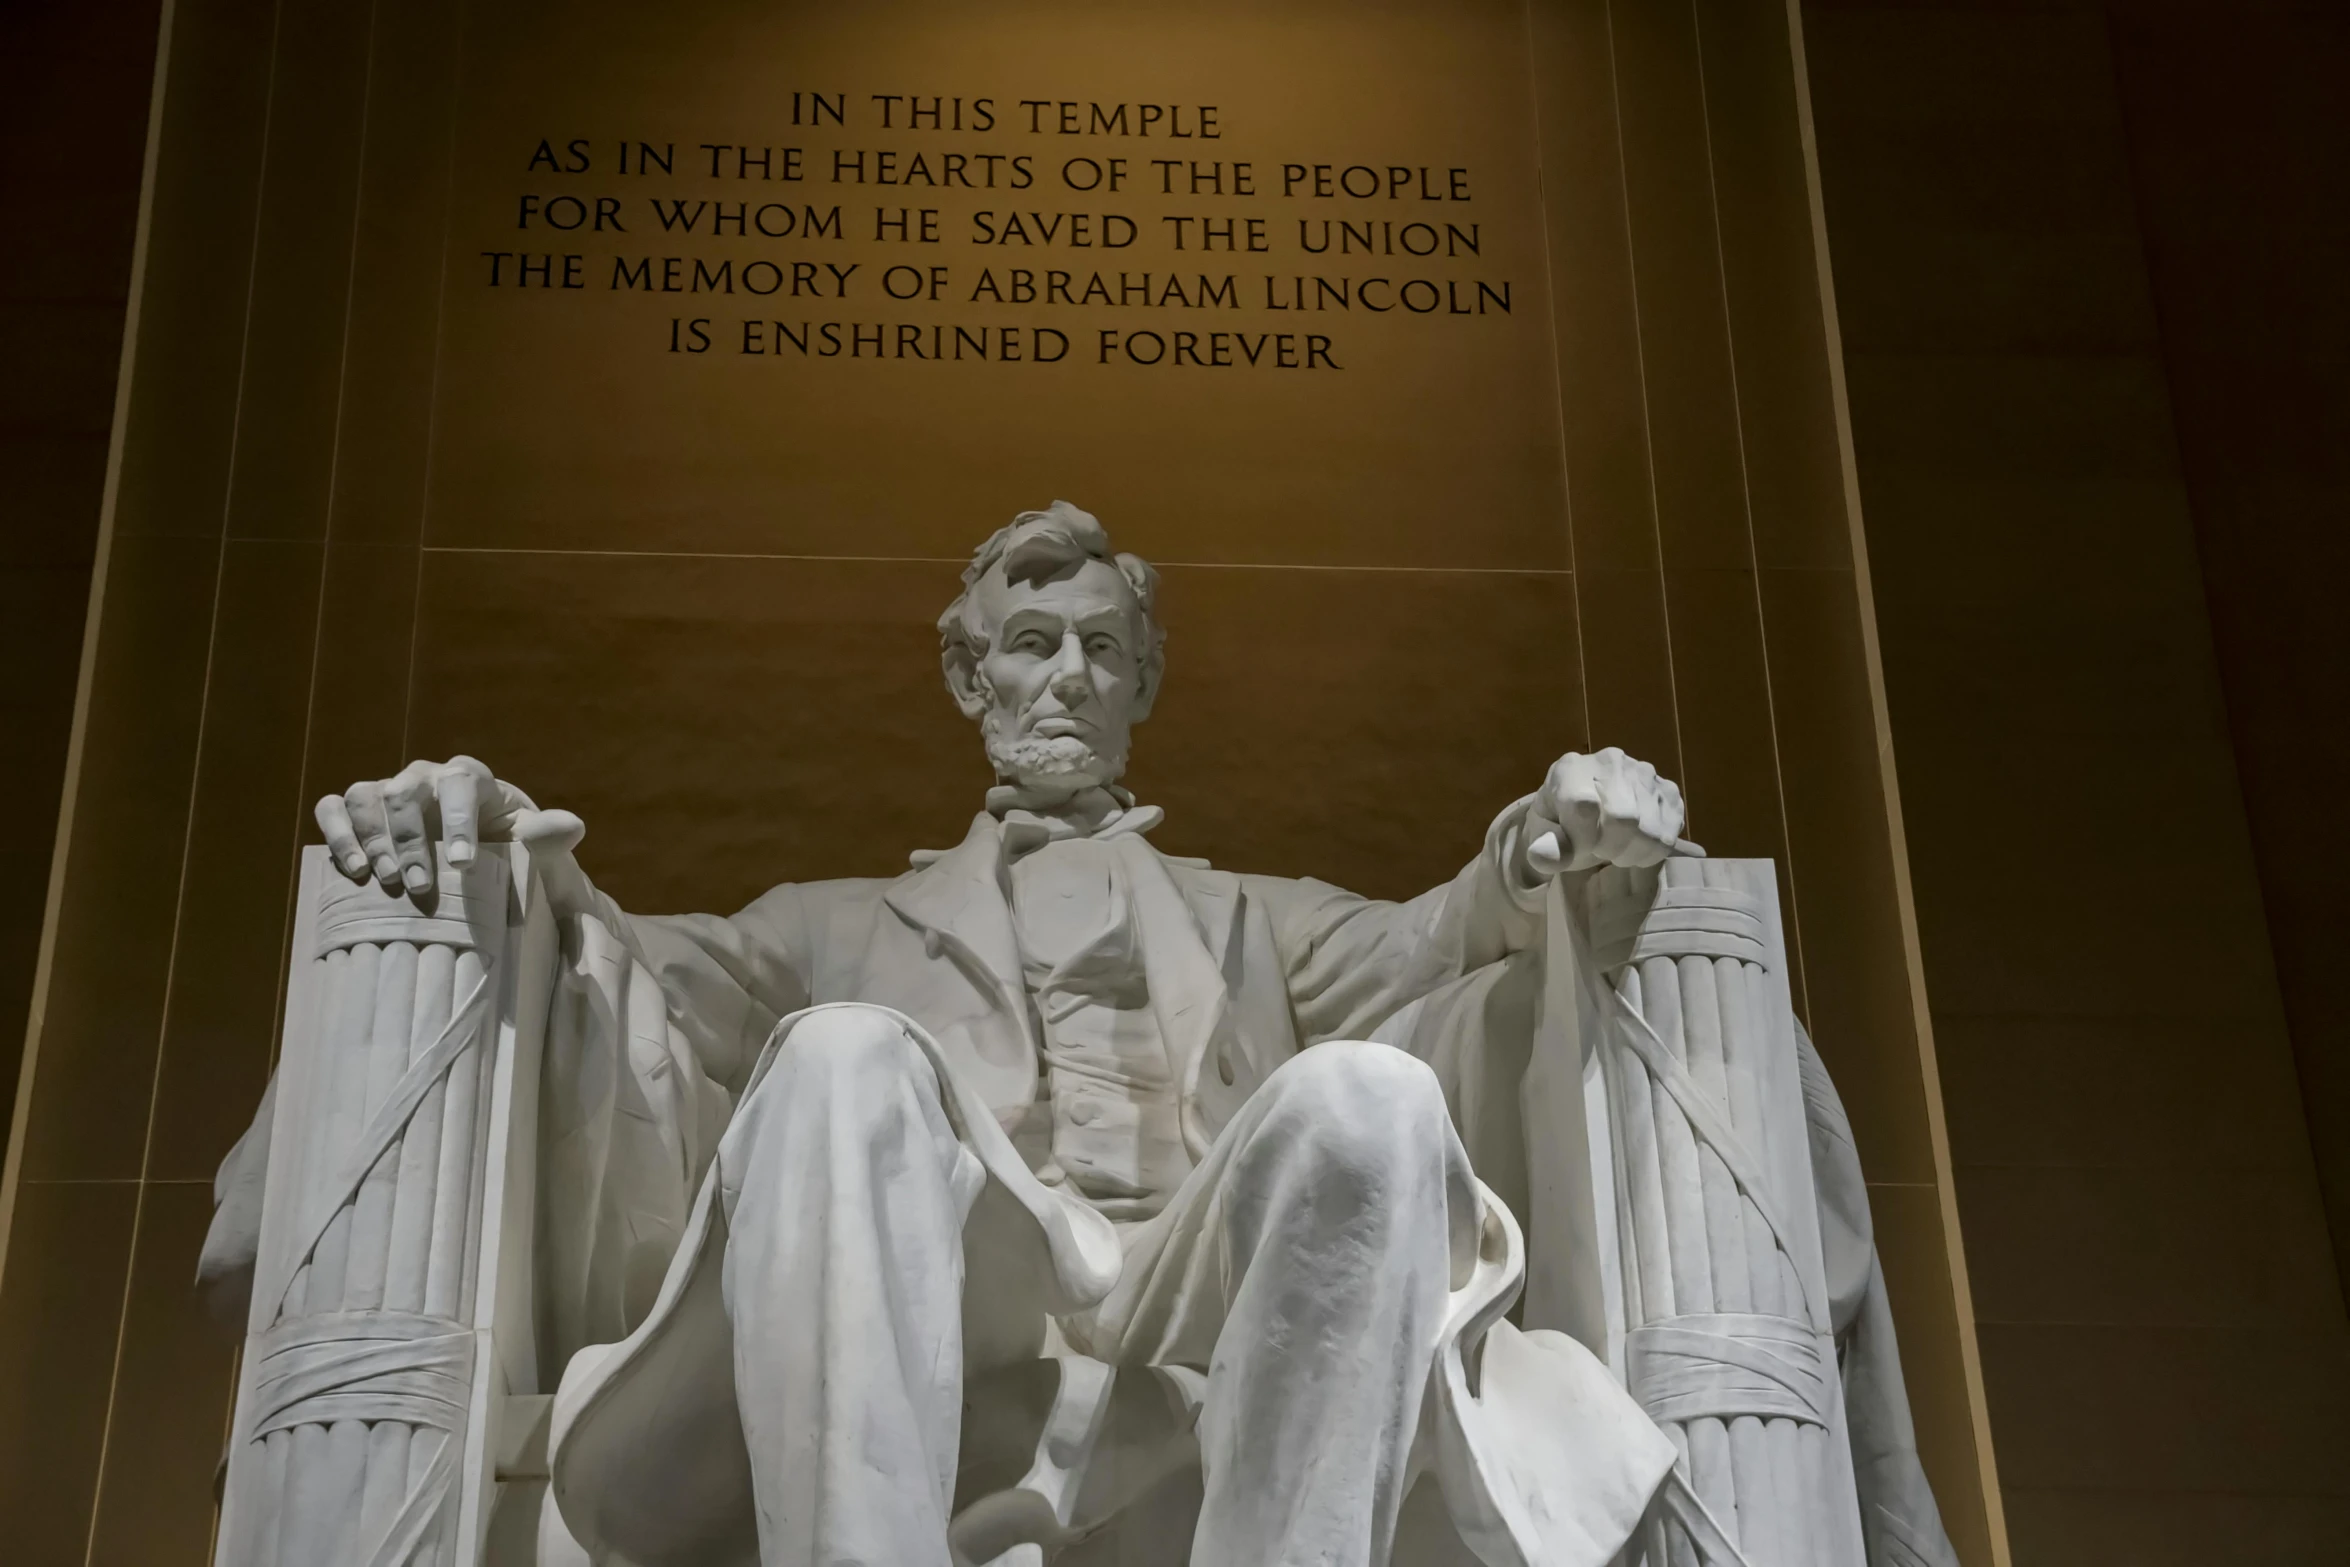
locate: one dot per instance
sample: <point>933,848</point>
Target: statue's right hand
<point>388,826</point>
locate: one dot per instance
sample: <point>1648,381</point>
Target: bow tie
<point>1094,813</point>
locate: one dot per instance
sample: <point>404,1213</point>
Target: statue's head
<point>1053,647</point>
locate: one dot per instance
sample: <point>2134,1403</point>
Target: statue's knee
<point>1344,1074</point>
<point>849,1044</point>
<point>1365,1109</point>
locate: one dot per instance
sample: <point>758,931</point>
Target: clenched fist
<point>1604,809</point>
<point>388,826</point>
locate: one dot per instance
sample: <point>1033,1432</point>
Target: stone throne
<point>1665,1138</point>
<point>390,1394</point>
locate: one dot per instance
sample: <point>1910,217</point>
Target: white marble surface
<point>962,1217</point>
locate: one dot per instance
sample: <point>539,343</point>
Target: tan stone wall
<point>73,113</point>
<point>74,84</point>
<point>2162,1328</point>
<point>364,513</point>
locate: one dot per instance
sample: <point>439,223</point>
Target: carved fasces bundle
<point>368,1364</point>
<point>1718,1313</point>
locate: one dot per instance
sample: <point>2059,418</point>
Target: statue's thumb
<point>549,837</point>
<point>1546,846</point>
<point>548,832</point>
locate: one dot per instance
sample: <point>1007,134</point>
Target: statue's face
<point>1062,677</point>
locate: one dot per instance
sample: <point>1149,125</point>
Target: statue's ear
<point>963,682</point>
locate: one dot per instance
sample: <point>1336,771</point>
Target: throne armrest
<point>391,1299</point>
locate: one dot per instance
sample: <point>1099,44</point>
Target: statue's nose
<point>1072,680</point>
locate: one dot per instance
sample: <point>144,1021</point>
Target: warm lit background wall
<point>2088,261</point>
<point>368,508</point>
<point>2006,222</point>
<point>74,84</point>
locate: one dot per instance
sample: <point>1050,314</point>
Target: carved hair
<point>1033,547</point>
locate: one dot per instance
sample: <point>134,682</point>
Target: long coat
<point>1243,972</point>
<point>658,1021</point>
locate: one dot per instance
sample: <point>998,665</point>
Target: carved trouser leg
<point>1305,1264</point>
<point>845,1192</point>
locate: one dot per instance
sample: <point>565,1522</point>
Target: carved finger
<point>1620,828</point>
<point>1652,815</point>
<point>414,779</point>
<point>411,783</point>
<point>410,842</point>
<point>1675,809</point>
<point>1621,841</point>
<point>459,794</point>
<point>342,840</point>
<point>1619,793</point>
<point>1607,775</point>
<point>1574,781</point>
<point>1654,845</point>
<point>1585,829</point>
<point>365,802</point>
<point>1582,818</point>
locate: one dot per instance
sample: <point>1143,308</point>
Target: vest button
<point>1083,1112</point>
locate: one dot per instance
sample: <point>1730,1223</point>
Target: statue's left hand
<point>391,825</point>
<point>1606,809</point>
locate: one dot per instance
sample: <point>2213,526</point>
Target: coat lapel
<point>1216,904</point>
<point>960,895</point>
<point>957,904</point>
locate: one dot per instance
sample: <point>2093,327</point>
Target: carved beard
<point>1057,763</point>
